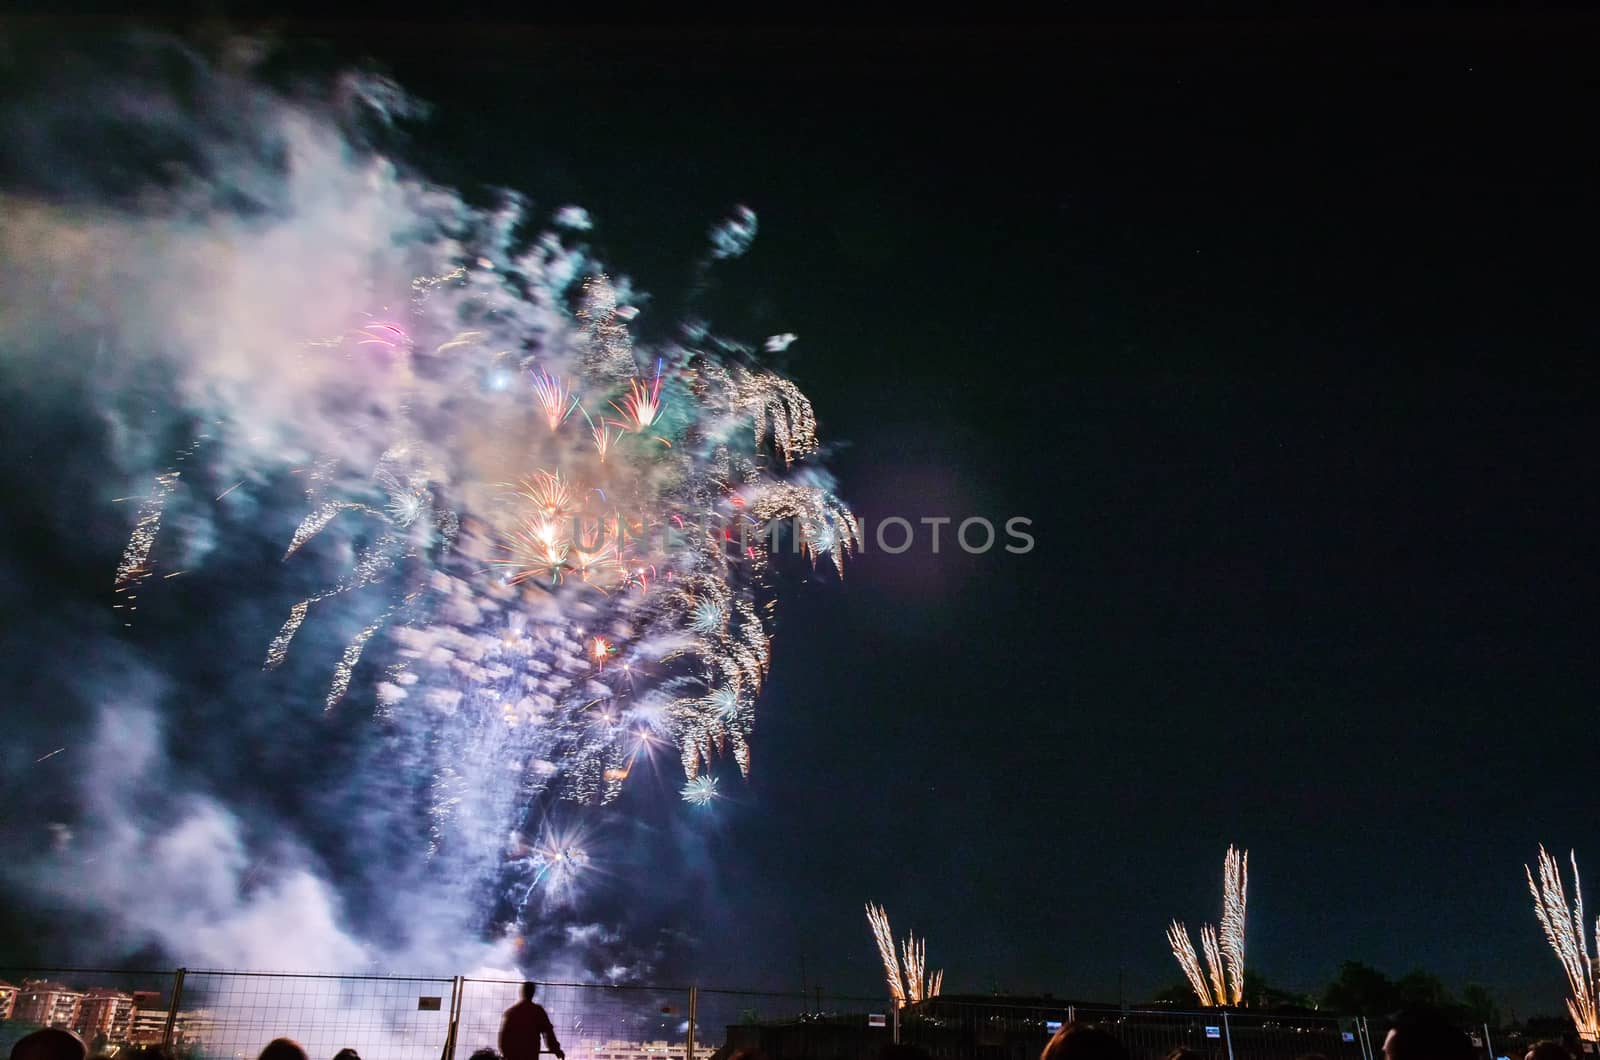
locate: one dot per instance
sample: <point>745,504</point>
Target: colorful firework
<point>540,587</point>
<point>642,406</point>
<point>1566,931</point>
<point>1222,982</point>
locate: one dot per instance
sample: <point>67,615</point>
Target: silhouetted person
<point>347,1054</point>
<point>524,1025</point>
<point>1424,1034</point>
<point>283,1049</point>
<point>51,1043</point>
<point>484,1054</point>
<point>1079,1041</point>
<point>1548,1050</point>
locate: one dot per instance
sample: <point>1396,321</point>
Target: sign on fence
<point>1213,1032</point>
<point>877,1019</point>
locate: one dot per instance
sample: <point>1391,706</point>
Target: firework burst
<point>701,791</point>
<point>542,587</point>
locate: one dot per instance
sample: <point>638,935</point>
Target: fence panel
<point>791,1026</point>
<point>110,1009</point>
<point>959,1030</point>
<point>1242,1035</point>
<point>592,1022</point>
<point>231,1015</point>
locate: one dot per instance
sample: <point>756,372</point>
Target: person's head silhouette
<point>528,990</point>
<point>283,1049</point>
<point>1425,1034</point>
<point>1079,1041</point>
<point>50,1043</point>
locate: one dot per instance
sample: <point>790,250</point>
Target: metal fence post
<point>1072,1013</point>
<point>694,1000</point>
<point>1227,1035</point>
<point>172,1009</point>
<point>894,1014</point>
<point>457,985</point>
<point>1488,1044</point>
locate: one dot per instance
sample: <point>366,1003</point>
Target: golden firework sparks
<point>1564,928</point>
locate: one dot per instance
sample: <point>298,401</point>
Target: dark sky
<point>1283,334</point>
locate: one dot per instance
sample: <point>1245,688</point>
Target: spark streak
<point>148,525</point>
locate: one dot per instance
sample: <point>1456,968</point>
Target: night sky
<point>1282,333</point>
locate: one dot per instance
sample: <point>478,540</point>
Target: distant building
<point>193,1026</point>
<point>591,1049</point>
<point>47,1003</point>
<point>148,1023</point>
<point>8,999</point>
<point>105,1012</point>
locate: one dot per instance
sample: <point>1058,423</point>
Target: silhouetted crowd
<point>1413,1035</point>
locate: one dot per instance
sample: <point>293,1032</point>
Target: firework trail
<point>529,531</point>
<point>878,920</point>
<point>1223,947</point>
<point>1565,930</point>
<point>1235,882</point>
<point>137,554</point>
<point>905,970</point>
<point>1183,949</point>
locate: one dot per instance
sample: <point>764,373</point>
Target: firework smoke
<point>1224,947</point>
<point>1566,932</point>
<point>519,548</point>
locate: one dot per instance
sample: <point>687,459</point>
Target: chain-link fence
<point>220,1015</point>
<point>231,1015</point>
